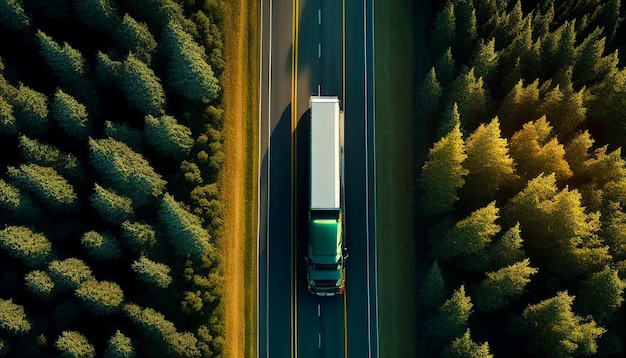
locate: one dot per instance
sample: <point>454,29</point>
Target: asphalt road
<point>291,321</point>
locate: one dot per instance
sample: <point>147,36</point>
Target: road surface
<point>308,47</point>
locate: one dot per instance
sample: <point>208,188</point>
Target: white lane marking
<point>319,90</point>
<point>319,16</point>
<point>319,310</point>
<point>319,50</point>
<point>319,340</point>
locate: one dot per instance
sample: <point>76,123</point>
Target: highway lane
<point>275,272</point>
<point>320,320</point>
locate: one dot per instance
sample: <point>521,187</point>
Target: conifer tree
<point>46,155</point>
<point>536,151</point>
<point>138,236</point>
<point>100,297</point>
<point>577,154</point>
<point>554,330</point>
<point>66,62</point>
<point>501,286</point>
<point>508,25</point>
<point>13,16</point>
<point>469,93</point>
<point>601,295</point>
<point>519,106</point>
<point>46,184</point>
<point>488,161</point>
<point>608,171</point>
<point>485,59</point>
<point>109,72</point>
<point>70,115</point>
<point>451,320</point>
<point>466,27</point>
<point>503,251</point>
<point>69,273</point>
<point>433,291</point>
<point>16,203</point>
<point>124,133</point>
<point>136,37</point>
<point>469,235</point>
<point>103,246</point>
<point>119,346</point>
<point>8,124</point>
<point>151,272</point>
<point>445,68</point>
<point>183,229</point>
<point>125,170</point>
<point>465,347</point>
<point>564,108</point>
<point>442,174</point>
<point>112,207</point>
<point>449,119</point>
<point>39,283</point>
<point>142,88</point>
<point>98,14</point>
<point>167,136</point>
<point>31,111</point>
<point>588,58</point>
<point>13,317</point>
<point>189,74</point>
<point>443,31</point>
<point>429,95</point>
<point>73,344</point>
<point>23,243</point>
<point>614,229</point>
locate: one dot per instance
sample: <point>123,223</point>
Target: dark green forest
<point>524,187</point>
<point>110,149</point>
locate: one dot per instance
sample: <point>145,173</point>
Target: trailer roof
<point>325,179</point>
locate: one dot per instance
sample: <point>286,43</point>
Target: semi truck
<point>326,250</point>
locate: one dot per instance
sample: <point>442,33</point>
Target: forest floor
<point>399,58</point>
<point>239,177</point>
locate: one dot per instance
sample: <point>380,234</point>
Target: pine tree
<point>112,207</point>
<point>449,119</point>
<point>564,109</point>
<point>509,24</point>
<point>125,170</point>
<point>443,31</point>
<point>485,59</point>
<point>469,235</point>
<point>189,74</point>
<point>73,344</point>
<point>67,63</point>
<point>488,161</point>
<point>496,291</point>
<point>13,16</point>
<point>119,346</point>
<point>535,151</point>
<point>587,58</point>
<point>8,124</point>
<point>465,347</point>
<point>46,184</point>
<point>13,317</point>
<point>151,272</point>
<point>451,320</point>
<point>554,330</point>
<point>23,243</point>
<point>466,28</point>
<point>69,273</point>
<point>100,297</point>
<point>519,106</point>
<point>136,37</point>
<point>577,154</point>
<point>70,115</point>
<point>109,72</point>
<point>429,96</point>
<point>608,171</point>
<point>16,203</point>
<point>445,68</point>
<point>167,136</point>
<point>142,88</point>
<point>103,246</point>
<point>183,229</point>
<point>98,14</point>
<point>39,283</point>
<point>138,236</point>
<point>601,295</point>
<point>433,291</point>
<point>469,93</point>
<point>46,155</point>
<point>442,174</point>
<point>124,133</point>
<point>31,111</point>
<point>503,251</point>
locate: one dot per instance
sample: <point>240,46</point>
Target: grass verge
<point>400,61</point>
<point>238,182</point>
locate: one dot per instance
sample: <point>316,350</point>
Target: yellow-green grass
<point>238,182</point>
<point>395,72</point>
